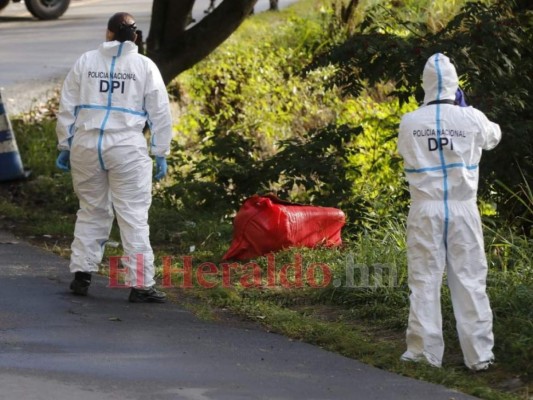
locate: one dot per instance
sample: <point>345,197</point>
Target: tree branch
<point>169,20</point>
<point>181,49</point>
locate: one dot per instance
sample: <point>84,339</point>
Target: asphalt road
<point>54,345</point>
<point>36,55</point>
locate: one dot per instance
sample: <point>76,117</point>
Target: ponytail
<point>123,26</point>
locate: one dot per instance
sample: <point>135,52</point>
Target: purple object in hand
<point>460,98</point>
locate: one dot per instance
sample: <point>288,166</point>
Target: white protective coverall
<point>441,145</point>
<point>107,97</point>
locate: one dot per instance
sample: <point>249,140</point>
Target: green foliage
<point>37,144</point>
<point>491,46</point>
<point>510,288</point>
<point>44,204</point>
<point>256,121</point>
<point>315,168</point>
<point>250,118</point>
<point>379,182</point>
<point>227,171</point>
<point>523,200</point>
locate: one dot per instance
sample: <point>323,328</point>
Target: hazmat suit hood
<point>439,79</point>
<point>112,47</point>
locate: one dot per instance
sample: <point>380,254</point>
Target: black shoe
<point>80,284</point>
<point>150,295</point>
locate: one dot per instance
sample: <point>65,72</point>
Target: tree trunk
<point>274,5</point>
<point>174,48</point>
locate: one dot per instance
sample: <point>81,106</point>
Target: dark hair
<point>123,26</point>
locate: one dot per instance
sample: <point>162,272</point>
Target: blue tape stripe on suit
<point>109,99</point>
<point>441,154</point>
<point>439,168</point>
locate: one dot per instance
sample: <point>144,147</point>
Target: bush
<point>256,121</point>
<point>247,104</point>
<point>491,47</point>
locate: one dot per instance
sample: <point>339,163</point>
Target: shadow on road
<point>16,19</point>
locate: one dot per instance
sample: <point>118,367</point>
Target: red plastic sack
<point>266,223</point>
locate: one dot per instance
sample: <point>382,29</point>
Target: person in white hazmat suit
<point>441,144</point>
<point>106,100</point>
